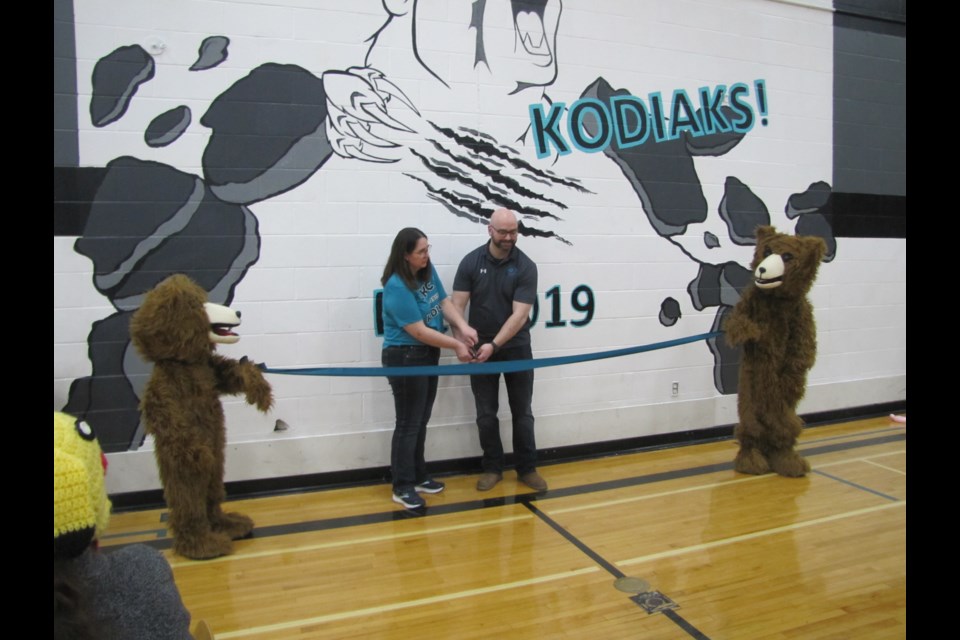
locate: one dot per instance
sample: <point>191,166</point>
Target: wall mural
<point>273,129</point>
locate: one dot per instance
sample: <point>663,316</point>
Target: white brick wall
<point>308,300</point>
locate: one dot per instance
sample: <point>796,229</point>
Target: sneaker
<point>430,486</point>
<point>534,480</point>
<point>409,499</point>
<point>488,481</point>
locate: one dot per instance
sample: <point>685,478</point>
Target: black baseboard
<point>136,500</point>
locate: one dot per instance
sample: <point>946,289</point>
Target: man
<point>500,283</point>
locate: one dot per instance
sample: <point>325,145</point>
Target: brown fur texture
<point>181,409</point>
<point>779,338</point>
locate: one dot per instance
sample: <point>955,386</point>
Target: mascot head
<point>81,508</point>
<point>785,265</point>
<point>175,322</point>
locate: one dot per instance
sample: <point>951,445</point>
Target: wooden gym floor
<point>703,552</point>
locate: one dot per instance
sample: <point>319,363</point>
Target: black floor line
<point>579,544</point>
<point>474,505</point>
<point>160,533</point>
<point>686,626</point>
<point>844,446</point>
<point>856,486</point>
<point>608,566</point>
<point>859,434</point>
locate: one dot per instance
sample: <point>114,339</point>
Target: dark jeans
<point>413,400</point>
<point>486,391</point>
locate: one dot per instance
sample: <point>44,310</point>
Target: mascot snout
<point>223,320</point>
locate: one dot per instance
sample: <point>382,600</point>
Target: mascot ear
<point>764,232</point>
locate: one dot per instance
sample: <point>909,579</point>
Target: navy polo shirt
<point>493,286</point>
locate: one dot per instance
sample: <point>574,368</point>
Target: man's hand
<point>484,352</point>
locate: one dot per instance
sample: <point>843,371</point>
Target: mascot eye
<point>85,430</point>
<point>787,257</point>
<point>767,251</point>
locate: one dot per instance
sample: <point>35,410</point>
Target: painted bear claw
<point>356,100</point>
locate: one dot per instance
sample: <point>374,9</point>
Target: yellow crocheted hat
<point>81,508</point>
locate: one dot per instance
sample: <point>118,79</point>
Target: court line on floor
<point>659,494</point>
<point>609,567</point>
<point>622,483</point>
<point>343,615</point>
<point>759,534</point>
<point>699,487</point>
<point>177,562</point>
<point>835,463</point>
<point>559,576</point>
<point>473,505</point>
<point>852,435</point>
<point>856,485</point>
<point>883,466</point>
<point>886,454</point>
<point>158,533</point>
<point>683,624</point>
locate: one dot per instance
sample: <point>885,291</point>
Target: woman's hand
<point>463,352</point>
<point>467,335</point>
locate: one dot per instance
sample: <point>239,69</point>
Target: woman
<point>414,306</point>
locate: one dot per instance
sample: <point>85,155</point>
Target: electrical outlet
<point>675,389</point>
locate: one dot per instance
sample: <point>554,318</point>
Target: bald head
<point>503,230</point>
<point>503,218</point>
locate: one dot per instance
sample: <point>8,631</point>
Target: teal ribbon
<point>481,368</point>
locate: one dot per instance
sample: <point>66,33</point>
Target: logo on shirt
<point>433,313</point>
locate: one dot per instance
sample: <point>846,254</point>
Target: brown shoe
<point>488,481</point>
<point>534,480</point>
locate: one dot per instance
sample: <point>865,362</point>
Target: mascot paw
<point>789,463</point>
<point>204,547</point>
<point>740,330</point>
<point>257,389</point>
<point>751,461</point>
<point>262,399</point>
<point>235,525</point>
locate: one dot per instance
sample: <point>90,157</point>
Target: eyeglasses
<point>506,232</point>
<point>424,251</point>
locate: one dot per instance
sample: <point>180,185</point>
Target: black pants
<point>486,393</point>
<point>413,398</point>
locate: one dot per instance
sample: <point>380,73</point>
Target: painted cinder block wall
<point>294,218</point>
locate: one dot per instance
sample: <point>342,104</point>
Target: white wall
<point>307,301</point>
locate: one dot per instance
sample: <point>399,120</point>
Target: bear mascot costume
<point>177,330</point>
<point>774,322</point>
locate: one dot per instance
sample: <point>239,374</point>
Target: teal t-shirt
<point>402,306</point>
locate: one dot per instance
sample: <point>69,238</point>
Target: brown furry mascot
<point>774,323</point>
<point>177,329</point>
